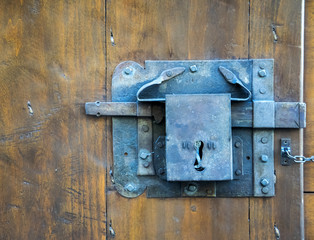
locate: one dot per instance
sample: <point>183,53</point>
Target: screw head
<point>169,73</point>
<point>129,187</point>
<point>193,68</point>
<point>262,90</point>
<point>264,140</point>
<point>262,65</point>
<point>264,158</point>
<point>265,190</point>
<point>143,155</point>
<point>128,70</point>
<point>238,172</point>
<point>262,73</point>
<point>237,144</point>
<point>145,128</point>
<point>264,182</point>
<point>97,103</point>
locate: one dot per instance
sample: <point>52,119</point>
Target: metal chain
<point>302,159</point>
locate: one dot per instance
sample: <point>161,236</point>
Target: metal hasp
<point>197,128</point>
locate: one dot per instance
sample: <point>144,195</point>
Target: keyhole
<point>199,154</point>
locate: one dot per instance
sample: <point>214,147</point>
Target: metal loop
<point>296,157</point>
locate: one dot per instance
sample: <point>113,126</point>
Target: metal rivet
<point>262,73</point>
<point>129,187</point>
<point>265,190</point>
<point>192,188</point>
<point>97,103</point>
<point>262,90</point>
<point>264,182</point>
<point>264,158</point>
<point>146,164</point>
<point>262,65</point>
<point>169,73</point>
<point>193,68</point>
<point>264,140</point>
<point>128,71</point>
<point>237,144</point>
<point>145,128</point>
<point>143,155</point>
<point>238,172</point>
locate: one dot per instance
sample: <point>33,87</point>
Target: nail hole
<point>248,157</point>
<point>126,154</point>
<point>98,114</point>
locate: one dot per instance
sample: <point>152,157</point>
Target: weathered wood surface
<point>309,131</point>
<point>275,32</point>
<point>52,162</point>
<point>55,163</point>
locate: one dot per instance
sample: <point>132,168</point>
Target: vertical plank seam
<point>106,122</point>
<point>301,133</point>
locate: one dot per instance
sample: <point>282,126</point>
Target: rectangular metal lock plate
<point>159,150</point>
<point>198,134</point>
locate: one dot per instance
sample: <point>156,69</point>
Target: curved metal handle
<point>231,78</point>
<point>164,76</point>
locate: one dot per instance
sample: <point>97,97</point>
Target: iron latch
<point>196,128</point>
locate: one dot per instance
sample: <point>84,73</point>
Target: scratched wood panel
<point>52,157</point>
<point>275,32</point>
<point>174,30</point>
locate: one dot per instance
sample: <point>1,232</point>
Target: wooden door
<point>55,162</point>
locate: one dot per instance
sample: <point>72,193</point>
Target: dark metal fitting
<point>265,190</point>
<point>145,128</point>
<point>169,73</point>
<point>238,172</point>
<point>264,140</point>
<point>262,73</point>
<point>264,158</point>
<point>192,188</point>
<point>128,70</point>
<point>264,182</point>
<point>193,68</point>
<point>237,144</point>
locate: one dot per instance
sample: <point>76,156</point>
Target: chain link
<point>299,159</point>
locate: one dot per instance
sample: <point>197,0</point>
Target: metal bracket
<point>196,128</point>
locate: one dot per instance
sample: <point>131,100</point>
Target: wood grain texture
<point>275,32</point>
<point>173,30</point>
<point>308,94</point>
<point>52,165</point>
<point>309,216</point>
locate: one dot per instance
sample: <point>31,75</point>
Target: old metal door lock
<point>196,128</point>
